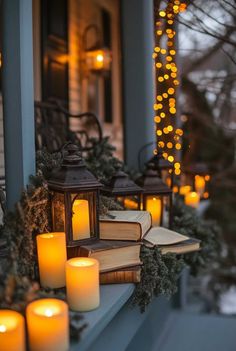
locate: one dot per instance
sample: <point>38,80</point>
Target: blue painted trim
<point>18,96</point>
<point>113,297</point>
<point>138,76</point>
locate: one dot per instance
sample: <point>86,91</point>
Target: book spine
<point>120,277</point>
<point>77,251</point>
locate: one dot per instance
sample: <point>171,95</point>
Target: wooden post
<point>138,79</point>
<point>18,96</point>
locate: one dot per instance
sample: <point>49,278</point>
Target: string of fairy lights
<point>168,136</point>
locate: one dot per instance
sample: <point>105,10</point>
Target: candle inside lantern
<point>52,258</point>
<point>130,204</point>
<point>185,189</point>
<point>200,184</point>
<point>48,325</point>
<point>154,206</point>
<point>82,283</point>
<point>12,331</point>
<point>80,220</point>
<point>192,199</point>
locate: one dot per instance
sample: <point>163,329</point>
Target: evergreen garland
<point>159,273</point>
<point>159,276</point>
<point>187,222</point>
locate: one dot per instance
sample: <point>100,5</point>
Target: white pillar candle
<point>82,283</point>
<point>200,184</point>
<point>48,325</point>
<point>51,248</point>
<point>192,199</point>
<point>80,220</point>
<point>12,331</point>
<point>154,206</point>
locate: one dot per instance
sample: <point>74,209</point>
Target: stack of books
<point>121,235</point>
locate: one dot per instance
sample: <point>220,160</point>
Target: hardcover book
<point>121,276</point>
<point>125,225</point>
<point>112,255</point>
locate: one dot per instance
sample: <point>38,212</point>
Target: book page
<point>163,236</point>
<point>141,217</point>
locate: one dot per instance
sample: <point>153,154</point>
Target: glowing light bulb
<point>3,328</point>
<point>157,119</point>
<point>160,79</point>
<point>162,13</point>
<point>158,64</point>
<point>163,51</point>
<point>177,165</point>
<point>171,158</point>
<point>171,91</point>
<point>159,98</point>
<point>100,58</point>
<point>157,49</point>
<point>172,110</point>
<point>154,55</point>
<point>168,58</point>
<point>165,95</point>
<point>178,146</point>
<point>159,32</point>
<point>162,114</point>
<point>177,171</point>
<point>159,132</point>
<point>170,128</point>
<point>166,76</point>
<point>169,145</point>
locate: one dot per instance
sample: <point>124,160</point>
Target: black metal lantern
<point>75,196</point>
<point>157,197</point>
<point>198,175</point>
<point>124,190</point>
<point>164,167</point>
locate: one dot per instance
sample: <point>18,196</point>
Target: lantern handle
<point>71,153</point>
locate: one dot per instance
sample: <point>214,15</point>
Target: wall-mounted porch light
<point>97,57</point>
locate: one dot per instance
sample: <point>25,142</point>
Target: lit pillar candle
<point>82,283</point>
<point>154,206</point>
<point>185,189</point>
<point>48,325</point>
<point>12,331</point>
<point>80,220</point>
<point>200,184</point>
<point>192,199</point>
<point>52,258</point>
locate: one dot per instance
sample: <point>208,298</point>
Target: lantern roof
<point>152,183</point>
<point>159,162</point>
<point>122,184</point>
<point>73,174</point>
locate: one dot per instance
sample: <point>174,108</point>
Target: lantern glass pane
<point>83,215</point>
<point>154,206</point>
<point>58,212</point>
<point>166,211</point>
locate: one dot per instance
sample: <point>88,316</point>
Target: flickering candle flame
<point>12,331</point>
<point>48,325</point>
